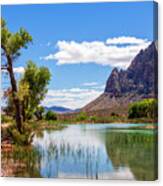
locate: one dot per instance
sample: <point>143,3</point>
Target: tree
<point>147,108</point>
<point>50,115</point>
<point>82,116</point>
<point>37,79</point>
<point>11,44</point>
<point>40,112</point>
<point>23,94</point>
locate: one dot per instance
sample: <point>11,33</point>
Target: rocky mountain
<point>137,82</point>
<point>138,78</point>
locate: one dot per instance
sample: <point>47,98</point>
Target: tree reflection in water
<point>21,162</point>
<point>89,151</point>
<point>136,150</point>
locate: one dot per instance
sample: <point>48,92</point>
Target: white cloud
<point>93,85</point>
<point>87,84</point>
<point>18,70</point>
<point>72,98</point>
<point>126,40</point>
<point>99,87</point>
<point>102,53</point>
<point>3,70</point>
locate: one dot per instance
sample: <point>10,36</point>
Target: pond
<point>95,151</point>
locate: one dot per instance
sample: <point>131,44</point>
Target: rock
<point>123,87</point>
<point>139,78</point>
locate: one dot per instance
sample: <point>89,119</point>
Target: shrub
<point>114,115</point>
<point>81,116</point>
<point>6,119</point>
<point>145,108</point>
<point>50,115</point>
<point>93,118</point>
<point>40,112</point>
<point>19,139</point>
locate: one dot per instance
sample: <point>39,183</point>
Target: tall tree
<point>11,44</point>
<point>35,80</point>
<point>23,94</point>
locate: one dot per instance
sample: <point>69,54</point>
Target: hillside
<point>123,87</point>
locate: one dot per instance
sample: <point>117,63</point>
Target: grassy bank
<point>13,143</point>
<point>17,146</point>
<point>109,119</point>
<point>10,135</point>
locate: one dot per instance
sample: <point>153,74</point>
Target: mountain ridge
<point>59,109</point>
<point>123,87</point>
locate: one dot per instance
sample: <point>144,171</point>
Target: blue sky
<point>80,44</point>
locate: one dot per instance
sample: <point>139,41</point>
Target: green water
<point>98,151</point>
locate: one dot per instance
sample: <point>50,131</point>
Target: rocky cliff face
<point>138,81</point>
<point>139,78</point>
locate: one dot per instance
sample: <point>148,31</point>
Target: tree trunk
<point>16,100</point>
<point>23,111</point>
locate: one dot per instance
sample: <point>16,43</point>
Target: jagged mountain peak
<point>139,76</point>
<point>123,87</point>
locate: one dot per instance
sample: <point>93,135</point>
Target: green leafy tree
<point>40,112</point>
<point>37,79</point>
<point>23,94</point>
<point>82,116</point>
<point>50,115</point>
<point>11,45</point>
<point>145,108</point>
<point>93,118</point>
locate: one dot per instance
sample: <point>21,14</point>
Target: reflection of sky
<point>77,152</point>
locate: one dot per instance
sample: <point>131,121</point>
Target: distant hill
<point>59,109</point>
<point>123,87</point>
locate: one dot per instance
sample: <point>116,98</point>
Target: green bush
<point>81,116</point>
<point>93,118</point>
<point>19,139</point>
<point>50,115</point>
<point>113,114</point>
<point>146,108</point>
<point>40,113</point>
<point>6,119</point>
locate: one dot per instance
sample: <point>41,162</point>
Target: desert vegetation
<point>24,116</point>
<point>23,97</point>
<point>23,112</point>
<point>147,108</point>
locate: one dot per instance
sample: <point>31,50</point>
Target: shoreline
<point>8,146</point>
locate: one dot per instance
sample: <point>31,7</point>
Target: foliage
<point>144,108</point>
<point>113,114</point>
<point>31,91</point>
<point>20,138</point>
<point>131,149</point>
<point>40,112</point>
<point>11,44</point>
<point>81,116</point>
<point>5,119</point>
<point>23,90</point>
<point>26,156</point>
<point>37,79</point>
<point>50,115</point>
<point>93,118</point>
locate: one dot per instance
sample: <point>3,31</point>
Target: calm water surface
<point>99,151</point>
<point>95,151</point>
